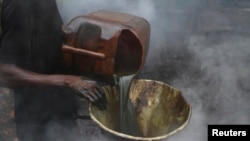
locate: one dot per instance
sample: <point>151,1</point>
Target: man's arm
<point>13,76</point>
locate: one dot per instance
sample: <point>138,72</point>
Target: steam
<point>70,9</point>
<point>219,95</point>
<point>202,52</point>
<point>195,46</point>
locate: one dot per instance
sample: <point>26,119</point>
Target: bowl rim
<point>123,135</point>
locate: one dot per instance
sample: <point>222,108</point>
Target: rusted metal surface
<point>161,110</point>
<point>122,38</point>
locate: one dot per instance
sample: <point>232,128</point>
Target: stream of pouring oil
<point>128,119</point>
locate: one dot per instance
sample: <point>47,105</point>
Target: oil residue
<point>128,119</point>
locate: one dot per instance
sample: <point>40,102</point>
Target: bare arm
<point>13,76</point>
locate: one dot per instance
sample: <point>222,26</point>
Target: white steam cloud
<point>197,46</point>
<point>72,8</point>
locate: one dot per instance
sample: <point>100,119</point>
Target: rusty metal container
<point>161,110</point>
<point>106,43</point>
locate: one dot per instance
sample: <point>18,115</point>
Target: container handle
<point>70,49</point>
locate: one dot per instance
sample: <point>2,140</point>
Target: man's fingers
<point>102,100</point>
<point>94,94</point>
<point>89,97</point>
<point>98,93</point>
<point>86,94</point>
<point>101,93</point>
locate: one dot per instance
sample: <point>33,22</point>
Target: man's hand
<point>12,76</point>
<point>90,90</point>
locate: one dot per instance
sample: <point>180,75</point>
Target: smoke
<point>197,46</point>
<point>200,47</point>
<point>70,9</point>
<point>219,95</point>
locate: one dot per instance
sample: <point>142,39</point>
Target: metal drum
<point>161,110</point>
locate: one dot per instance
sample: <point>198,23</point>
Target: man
<point>31,63</point>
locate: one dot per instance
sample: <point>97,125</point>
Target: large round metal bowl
<point>161,110</point>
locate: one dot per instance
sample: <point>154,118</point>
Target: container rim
<point>143,138</point>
